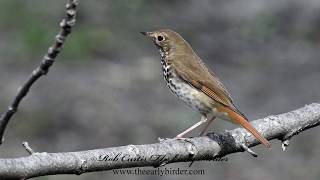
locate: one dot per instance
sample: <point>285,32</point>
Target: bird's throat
<point>166,65</point>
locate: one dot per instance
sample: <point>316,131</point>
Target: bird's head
<point>167,40</point>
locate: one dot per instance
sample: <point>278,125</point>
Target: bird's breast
<point>191,96</point>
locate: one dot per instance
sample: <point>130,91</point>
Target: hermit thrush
<point>188,78</point>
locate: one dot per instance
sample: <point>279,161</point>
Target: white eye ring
<point>160,38</point>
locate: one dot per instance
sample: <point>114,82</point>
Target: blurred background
<point>106,88</point>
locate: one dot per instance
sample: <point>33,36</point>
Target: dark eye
<point>160,38</point>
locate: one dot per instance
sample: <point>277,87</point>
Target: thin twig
<point>49,58</point>
<point>28,148</point>
<point>285,144</point>
<point>250,151</point>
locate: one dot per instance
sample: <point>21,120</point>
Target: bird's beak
<point>148,34</point>
<point>144,33</point>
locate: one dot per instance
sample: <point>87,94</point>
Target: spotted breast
<point>191,96</point>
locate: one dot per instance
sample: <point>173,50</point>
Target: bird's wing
<point>195,73</point>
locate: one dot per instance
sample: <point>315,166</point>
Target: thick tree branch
<point>282,127</point>
<point>66,26</point>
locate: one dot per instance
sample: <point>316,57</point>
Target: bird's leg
<point>203,120</point>
<point>206,126</point>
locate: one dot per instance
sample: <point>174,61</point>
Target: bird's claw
<point>175,138</point>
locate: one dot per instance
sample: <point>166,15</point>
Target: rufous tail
<point>237,118</point>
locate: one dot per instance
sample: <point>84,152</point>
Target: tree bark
<point>282,127</point>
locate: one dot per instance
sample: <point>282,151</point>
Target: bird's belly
<point>194,98</point>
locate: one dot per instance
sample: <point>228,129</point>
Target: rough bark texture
<point>282,127</point>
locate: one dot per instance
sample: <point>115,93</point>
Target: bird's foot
<point>180,138</point>
<point>163,139</point>
<point>175,138</point>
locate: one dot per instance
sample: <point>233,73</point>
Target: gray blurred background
<point>106,89</point>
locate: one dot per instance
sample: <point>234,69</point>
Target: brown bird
<point>188,78</point>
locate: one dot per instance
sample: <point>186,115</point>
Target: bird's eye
<point>160,38</point>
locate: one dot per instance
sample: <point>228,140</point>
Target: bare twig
<point>169,151</point>
<point>28,148</point>
<point>250,151</point>
<point>66,26</point>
